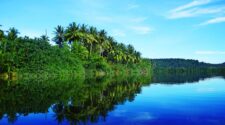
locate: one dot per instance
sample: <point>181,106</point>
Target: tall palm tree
<point>108,46</point>
<point>94,33</point>
<point>84,30</point>
<point>72,33</point>
<point>90,40</point>
<point>59,36</point>
<point>12,33</point>
<point>101,40</point>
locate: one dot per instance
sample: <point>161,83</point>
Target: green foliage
<point>182,66</point>
<point>12,34</point>
<point>79,47</point>
<point>182,63</point>
<point>38,56</point>
<point>80,51</point>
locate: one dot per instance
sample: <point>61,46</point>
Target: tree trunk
<point>90,51</point>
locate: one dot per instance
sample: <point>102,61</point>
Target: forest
<point>182,63</point>
<point>78,50</point>
<point>186,66</point>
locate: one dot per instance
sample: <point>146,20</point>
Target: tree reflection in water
<point>80,100</point>
<point>72,100</point>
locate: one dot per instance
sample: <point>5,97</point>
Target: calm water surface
<point>134,102</point>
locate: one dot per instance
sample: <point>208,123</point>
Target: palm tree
<point>90,39</point>
<point>113,45</point>
<point>1,34</point>
<point>59,35</point>
<point>44,38</point>
<point>93,31</point>
<point>137,55</point>
<point>130,49</point>
<point>84,28</point>
<point>124,53</point>
<point>101,40</point>
<point>12,33</point>
<point>72,33</point>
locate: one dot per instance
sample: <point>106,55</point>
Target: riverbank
<point>106,70</point>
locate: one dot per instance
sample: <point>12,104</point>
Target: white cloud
<point>210,52</point>
<point>214,20</point>
<point>192,4</point>
<point>195,12</point>
<point>196,8</point>
<point>143,30</point>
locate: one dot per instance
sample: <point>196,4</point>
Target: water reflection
<point>80,101</point>
<point>177,77</point>
<point>72,100</point>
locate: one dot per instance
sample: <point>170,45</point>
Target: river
<point>158,100</point>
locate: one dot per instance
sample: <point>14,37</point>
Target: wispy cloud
<point>198,8</point>
<point>194,12</point>
<point>188,10</point>
<point>210,52</point>
<point>136,24</point>
<point>192,4</point>
<point>120,22</point>
<point>142,30</point>
<point>214,20</point>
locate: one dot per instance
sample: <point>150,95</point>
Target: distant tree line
<point>182,63</point>
<point>186,66</point>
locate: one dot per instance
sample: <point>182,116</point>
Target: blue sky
<point>192,29</point>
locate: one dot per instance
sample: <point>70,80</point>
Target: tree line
<point>183,63</point>
<point>76,47</point>
<point>97,42</point>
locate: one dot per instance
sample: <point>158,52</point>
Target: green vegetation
<point>79,50</point>
<point>176,66</point>
<point>183,63</point>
